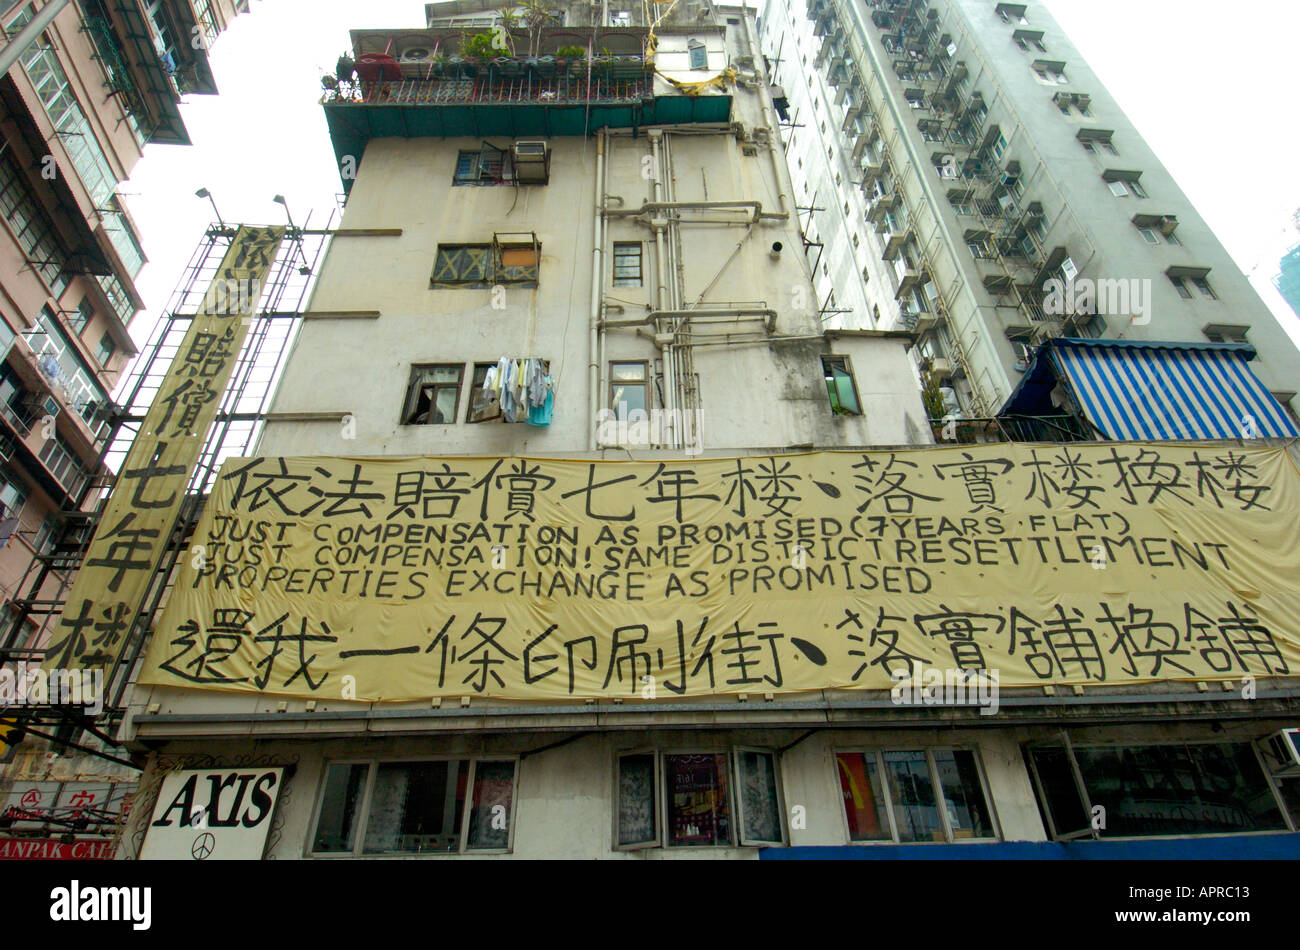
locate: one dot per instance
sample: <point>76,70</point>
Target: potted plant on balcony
<point>574,57</point>
<point>479,46</point>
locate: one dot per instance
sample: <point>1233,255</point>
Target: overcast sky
<point>1206,82</point>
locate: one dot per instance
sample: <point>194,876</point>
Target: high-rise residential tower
<point>956,156</point>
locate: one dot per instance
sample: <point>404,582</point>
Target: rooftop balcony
<point>430,84</point>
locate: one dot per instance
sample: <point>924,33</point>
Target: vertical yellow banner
<point>129,542</point>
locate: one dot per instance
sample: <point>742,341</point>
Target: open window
<point>488,165</point>
<point>840,386</point>
<point>432,395</point>
<point>758,798</point>
<point>1173,789</point>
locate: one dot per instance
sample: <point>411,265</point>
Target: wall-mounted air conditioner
<point>532,162</point>
<point>416,54</point>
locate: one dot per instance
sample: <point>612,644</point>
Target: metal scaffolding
<point>239,420</point>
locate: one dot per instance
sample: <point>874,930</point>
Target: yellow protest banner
<point>128,545</point>
<point>538,579</point>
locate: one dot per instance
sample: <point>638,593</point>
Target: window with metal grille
<point>627,264</point>
<point>488,165</point>
<point>486,265</point>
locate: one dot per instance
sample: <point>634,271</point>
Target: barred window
<point>485,265</point>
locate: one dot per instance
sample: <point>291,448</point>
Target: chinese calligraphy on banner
<point>536,579</point>
<point>128,546</point>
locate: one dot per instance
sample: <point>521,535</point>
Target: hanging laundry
<point>541,415</point>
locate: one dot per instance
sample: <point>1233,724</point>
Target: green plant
<point>571,52</point>
<point>536,16</point>
<point>479,46</point>
<point>932,398</point>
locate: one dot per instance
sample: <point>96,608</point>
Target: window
<point>433,395</point>
<point>488,165</point>
<point>85,312</point>
<point>31,225</point>
<point>1176,789</point>
<point>840,386</point>
<point>1118,188</point>
<point>1180,285</point>
<point>999,147</point>
<point>481,408</point>
<point>485,265</point>
<point>1149,236</point>
<point>439,806</point>
<point>920,795</point>
<point>627,264</point>
<point>1204,287</point>
<point>12,495</point>
<point>1135,187</point>
<point>104,352</point>
<point>629,389</point>
<point>64,464</point>
<point>708,799</point>
<point>699,54</point>
<point>1050,73</point>
<point>1225,332</point>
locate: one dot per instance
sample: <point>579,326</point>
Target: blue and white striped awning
<point>1141,390</point>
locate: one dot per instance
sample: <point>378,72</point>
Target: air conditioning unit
<point>415,54</point>
<point>1168,224</point>
<point>1282,752</point>
<point>532,162</point>
<point>1068,269</point>
<point>940,368</point>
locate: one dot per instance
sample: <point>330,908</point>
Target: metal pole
<point>44,17</point>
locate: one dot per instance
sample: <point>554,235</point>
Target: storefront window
<point>1177,789</point>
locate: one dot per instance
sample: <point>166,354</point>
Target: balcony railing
<point>524,90</point>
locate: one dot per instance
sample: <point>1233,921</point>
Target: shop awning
<point>1148,390</point>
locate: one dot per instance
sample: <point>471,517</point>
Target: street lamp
<point>204,193</point>
<point>305,269</point>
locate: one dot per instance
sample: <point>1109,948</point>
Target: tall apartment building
<point>959,154</point>
<point>418,621</point>
<point>93,83</point>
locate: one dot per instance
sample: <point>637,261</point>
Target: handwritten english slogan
<point>542,579</point>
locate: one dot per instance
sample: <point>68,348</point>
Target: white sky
<point>1207,82</point>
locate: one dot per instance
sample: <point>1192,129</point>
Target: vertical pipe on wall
<point>597,275</point>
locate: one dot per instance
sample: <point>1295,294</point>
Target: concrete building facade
<point>644,242</point>
<point>960,154</point>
